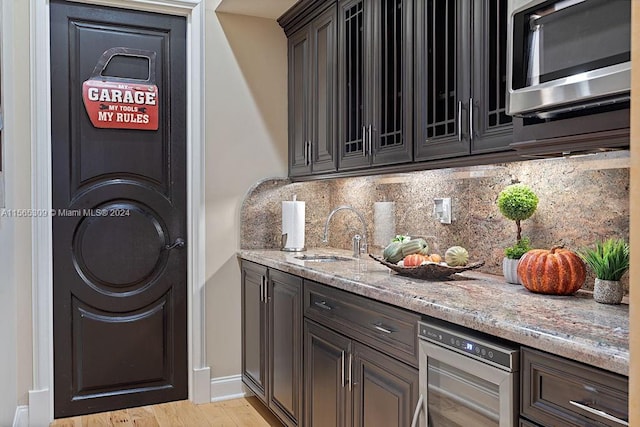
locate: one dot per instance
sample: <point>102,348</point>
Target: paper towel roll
<point>293,225</point>
<point>384,223</point>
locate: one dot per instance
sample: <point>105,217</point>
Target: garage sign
<point>121,103</point>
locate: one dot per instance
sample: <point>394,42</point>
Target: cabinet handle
<point>459,121</point>
<point>416,414</point>
<point>470,119</point>
<point>306,153</point>
<point>342,369</point>
<point>370,145</point>
<point>364,145</point>
<point>310,158</point>
<point>381,328</point>
<point>350,371</point>
<point>263,289</point>
<point>323,305</point>
<point>266,289</point>
<point>586,407</point>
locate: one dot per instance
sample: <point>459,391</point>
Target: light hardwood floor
<point>246,412</point>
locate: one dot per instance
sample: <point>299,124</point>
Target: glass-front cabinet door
<point>460,80</point>
<point>492,128</point>
<point>374,75</point>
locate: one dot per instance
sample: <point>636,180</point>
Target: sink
<point>322,258</point>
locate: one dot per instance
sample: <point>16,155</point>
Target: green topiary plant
<point>520,248</point>
<point>517,202</point>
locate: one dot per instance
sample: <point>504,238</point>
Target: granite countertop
<point>575,327</point>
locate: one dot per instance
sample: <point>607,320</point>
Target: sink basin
<point>323,258</point>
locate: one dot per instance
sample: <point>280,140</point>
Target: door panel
<point>119,199</point>
<point>323,100</point>
<point>327,398</point>
<point>285,346</point>
<point>254,329</point>
<point>385,390</point>
<point>299,117</point>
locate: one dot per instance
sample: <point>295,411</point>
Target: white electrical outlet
<point>442,209</point>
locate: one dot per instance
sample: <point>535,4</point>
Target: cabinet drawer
<point>392,330</point>
<point>557,391</point>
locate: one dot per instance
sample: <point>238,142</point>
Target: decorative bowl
<point>431,271</point>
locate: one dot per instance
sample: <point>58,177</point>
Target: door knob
<point>179,243</point>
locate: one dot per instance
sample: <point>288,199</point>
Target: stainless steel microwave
<point>566,55</point>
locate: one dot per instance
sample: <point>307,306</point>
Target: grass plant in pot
<point>609,260</point>
<point>516,202</point>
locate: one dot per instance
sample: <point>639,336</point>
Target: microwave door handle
<point>557,7</point>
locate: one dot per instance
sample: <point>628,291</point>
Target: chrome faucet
<point>359,242</point>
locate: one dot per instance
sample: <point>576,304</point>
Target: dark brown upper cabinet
<point>312,95</point>
<point>460,78</point>
<point>374,82</point>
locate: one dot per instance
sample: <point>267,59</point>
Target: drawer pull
<point>380,328</point>
<point>323,305</point>
<point>586,407</point>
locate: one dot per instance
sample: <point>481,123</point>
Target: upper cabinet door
<point>352,62</point>
<point>391,82</point>
<point>374,74</point>
<point>460,78</point>
<point>442,79</point>
<point>492,128</point>
<point>312,96</point>
<point>324,91</point>
<point>299,115</point>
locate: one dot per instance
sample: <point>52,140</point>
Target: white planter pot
<point>607,291</point>
<point>510,270</point>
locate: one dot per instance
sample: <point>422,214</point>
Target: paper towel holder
<point>283,245</point>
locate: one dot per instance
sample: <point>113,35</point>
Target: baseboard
<point>40,407</point>
<point>201,386</point>
<point>21,418</point>
<point>222,388</point>
<point>226,388</point>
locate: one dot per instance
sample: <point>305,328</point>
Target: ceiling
<point>271,9</point>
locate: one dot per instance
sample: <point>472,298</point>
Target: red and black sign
<point>120,103</point>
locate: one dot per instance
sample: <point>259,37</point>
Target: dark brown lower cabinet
<point>327,397</point>
<point>272,339</point>
<point>385,390</point>
<point>254,329</point>
<point>350,384</point>
<point>561,392</point>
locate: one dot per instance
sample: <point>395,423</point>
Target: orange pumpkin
<point>435,258</point>
<point>413,260</point>
<point>556,272</point>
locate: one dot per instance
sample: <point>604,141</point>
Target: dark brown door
<point>327,398</point>
<point>385,390</point>
<point>254,328</point>
<point>284,301</point>
<point>119,199</point>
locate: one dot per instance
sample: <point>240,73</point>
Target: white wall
<point>246,140</point>
<point>15,233</point>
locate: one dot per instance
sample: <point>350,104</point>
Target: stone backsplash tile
<point>582,199</point>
